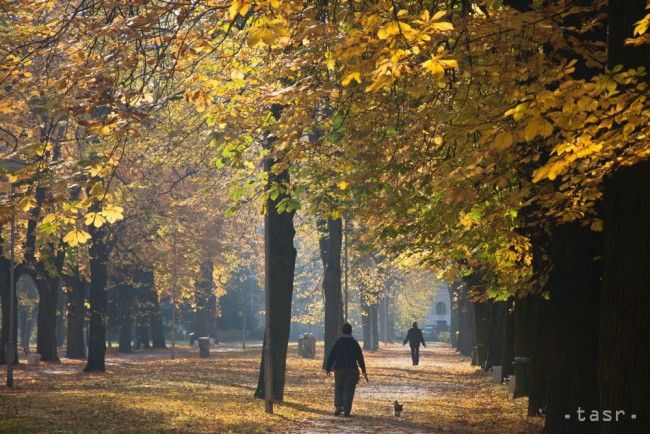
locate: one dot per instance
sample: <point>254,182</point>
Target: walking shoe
<point>346,414</point>
<point>338,411</point>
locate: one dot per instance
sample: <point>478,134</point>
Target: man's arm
<point>331,358</point>
<point>406,339</point>
<point>422,338</point>
<point>362,363</point>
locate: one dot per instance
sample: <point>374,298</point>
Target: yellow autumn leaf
<point>342,185</point>
<point>113,213</point>
<point>442,26</point>
<point>27,203</point>
<point>356,76</point>
<point>434,67</point>
<point>503,140</point>
<point>95,219</point>
<point>76,237</point>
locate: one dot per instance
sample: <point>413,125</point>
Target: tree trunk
<point>4,298</point>
<point>75,345</point>
<point>97,326</point>
<point>466,323</point>
<point>206,303</point>
<point>48,301</point>
<point>508,351</point>
<point>26,323</point>
<point>366,322</point>
<point>61,327</point>
<point>454,330</point>
<point>280,263</point>
<point>574,322</point>
<point>539,349</point>
<point>330,248</point>
<point>124,299</point>
<point>498,315</point>
<point>155,316</point>
<point>482,321</point>
<point>374,326</point>
<point>625,299</point>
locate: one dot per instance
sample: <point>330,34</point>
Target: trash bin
<point>496,374</point>
<point>308,346</point>
<point>33,359</point>
<point>301,340</point>
<point>192,337</point>
<point>204,347</point>
<point>521,374</point>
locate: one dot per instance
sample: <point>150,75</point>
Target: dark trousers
<point>345,381</point>
<point>415,354</point>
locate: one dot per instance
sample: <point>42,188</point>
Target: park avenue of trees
<point>252,170</point>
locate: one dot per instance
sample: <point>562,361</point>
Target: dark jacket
<point>414,337</point>
<point>345,354</point>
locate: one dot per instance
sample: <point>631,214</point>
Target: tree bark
<point>498,316</point>
<point>482,321</point>
<point>4,298</point>
<point>454,330</point>
<point>625,298</point>
<point>75,345</point>
<point>574,322</point>
<point>330,248</point>
<point>206,303</point>
<point>280,260</point>
<point>98,277</point>
<point>539,349</point>
<point>508,350</point>
<point>48,295</point>
<point>466,322</point>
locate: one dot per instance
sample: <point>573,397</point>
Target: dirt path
<point>443,394</point>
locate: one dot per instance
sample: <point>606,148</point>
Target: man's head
<point>347,329</point>
<point>415,324</point>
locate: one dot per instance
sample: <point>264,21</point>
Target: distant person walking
<point>345,358</point>
<point>414,338</point>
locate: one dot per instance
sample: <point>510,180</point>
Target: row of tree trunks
<point>330,250</point>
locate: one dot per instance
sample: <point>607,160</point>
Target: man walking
<point>414,338</point>
<point>345,358</point>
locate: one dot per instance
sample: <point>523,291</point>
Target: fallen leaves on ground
<point>148,392</point>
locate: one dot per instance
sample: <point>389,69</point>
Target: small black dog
<point>399,408</point>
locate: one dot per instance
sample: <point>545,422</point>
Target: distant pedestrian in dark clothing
<point>414,338</point>
<point>345,358</point>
